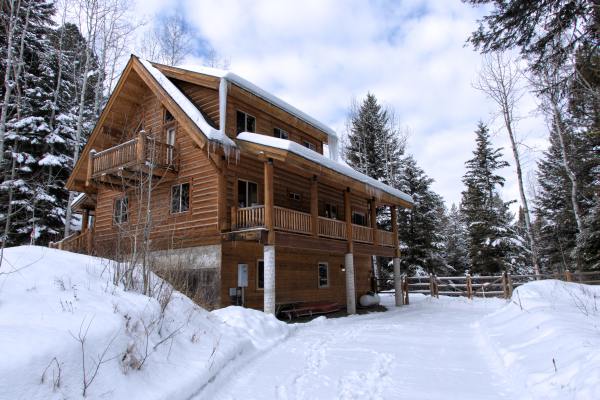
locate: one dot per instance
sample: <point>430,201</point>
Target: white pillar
<point>269,279</point>
<point>350,291</point>
<point>397,282</point>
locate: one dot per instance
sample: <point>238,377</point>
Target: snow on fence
<point>477,286</point>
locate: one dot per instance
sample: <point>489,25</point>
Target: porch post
<point>269,247</point>
<point>374,222</point>
<point>349,257</point>
<point>396,260</point>
<point>84,219</point>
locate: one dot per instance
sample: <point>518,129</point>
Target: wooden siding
<point>296,274</point>
<point>205,99</point>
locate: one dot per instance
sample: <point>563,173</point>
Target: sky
<point>318,55</point>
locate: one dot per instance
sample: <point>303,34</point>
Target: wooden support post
<point>469,287</point>
<point>504,285</point>
<point>396,239</point>
<point>431,290</point>
<point>348,215</point>
<point>84,219</point>
<point>314,205</point>
<point>568,276</point>
<point>141,147</point>
<point>510,285</point>
<point>90,169</point>
<point>269,201</point>
<point>406,300</point>
<point>374,222</point>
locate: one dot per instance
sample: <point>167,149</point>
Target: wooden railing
<point>139,151</point>
<point>76,243</point>
<point>386,238</point>
<point>332,228</point>
<point>292,220</point>
<point>250,217</point>
<point>362,234</point>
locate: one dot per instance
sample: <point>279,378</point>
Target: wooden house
<point>232,184</point>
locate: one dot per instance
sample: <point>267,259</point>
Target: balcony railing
<point>79,242</point>
<point>332,228</point>
<point>362,234</point>
<point>141,151</point>
<point>289,220</point>
<point>292,221</point>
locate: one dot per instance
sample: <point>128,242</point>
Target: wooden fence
<point>477,286</point>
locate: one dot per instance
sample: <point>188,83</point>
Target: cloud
<point>318,55</point>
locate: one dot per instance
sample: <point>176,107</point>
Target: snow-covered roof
<point>322,160</point>
<point>252,88</point>
<point>188,107</point>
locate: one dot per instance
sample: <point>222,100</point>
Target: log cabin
<point>243,191</point>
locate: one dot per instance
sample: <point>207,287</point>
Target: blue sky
<point>319,54</point>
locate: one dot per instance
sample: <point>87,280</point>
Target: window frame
<point>120,200</point>
<point>332,207</point>
<point>246,115</point>
<point>247,181</point>
<point>189,205</point>
<point>294,196</point>
<point>309,145</point>
<point>260,260</point>
<point>362,214</point>
<point>282,132</point>
<point>170,146</point>
<point>319,264</point>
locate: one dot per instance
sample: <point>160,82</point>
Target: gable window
<point>180,198</point>
<point>245,122</point>
<point>280,133</point>
<point>309,145</point>
<point>294,196</point>
<point>359,218</point>
<point>168,117</point>
<point>260,274</point>
<point>247,193</point>
<point>323,275</point>
<point>331,211</point>
<point>120,211</point>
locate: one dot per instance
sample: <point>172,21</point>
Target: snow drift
<point>59,310</point>
<point>547,340</point>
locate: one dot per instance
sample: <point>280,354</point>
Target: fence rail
<point>477,286</point>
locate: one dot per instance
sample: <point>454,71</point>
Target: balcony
<point>288,220</point>
<point>141,154</point>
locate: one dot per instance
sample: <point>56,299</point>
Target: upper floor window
<point>359,218</point>
<point>295,196</point>
<point>247,193</point>
<point>120,211</point>
<point>180,198</point>
<point>309,145</point>
<point>245,122</point>
<point>280,133</point>
<point>323,275</point>
<point>170,144</point>
<point>331,211</point>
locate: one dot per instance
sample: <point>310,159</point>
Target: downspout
<point>222,104</point>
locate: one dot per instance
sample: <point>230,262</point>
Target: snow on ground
<point>50,295</point>
<point>542,345</point>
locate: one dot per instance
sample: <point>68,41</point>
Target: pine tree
<point>455,246</point>
<point>486,216</point>
<point>420,228</point>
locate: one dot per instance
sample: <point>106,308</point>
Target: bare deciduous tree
<point>500,79</point>
<point>170,42</point>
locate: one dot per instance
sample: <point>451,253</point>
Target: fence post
<point>405,289</point>
<point>568,276</point>
<point>504,285</point>
<point>435,286</point>
<point>510,286</point>
<point>431,291</point>
<point>469,287</point>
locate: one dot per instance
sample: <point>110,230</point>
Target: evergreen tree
<point>420,228</point>
<point>486,216</point>
<point>455,246</point>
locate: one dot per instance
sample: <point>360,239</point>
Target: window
<point>323,275</point>
<point>280,133</point>
<point>170,144</point>
<point>331,211</point>
<point>247,193</point>
<point>260,274</point>
<point>359,218</point>
<point>168,117</point>
<point>180,198</point>
<point>309,145</point>
<point>245,122</point>
<point>294,196</point>
<point>120,213</point>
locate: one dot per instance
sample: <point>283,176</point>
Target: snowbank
<point>51,301</point>
<point>547,339</point>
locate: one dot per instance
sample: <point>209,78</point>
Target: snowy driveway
<point>427,350</point>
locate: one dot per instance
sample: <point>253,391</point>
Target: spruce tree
<point>455,242</point>
<point>420,228</point>
<point>486,216</point>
